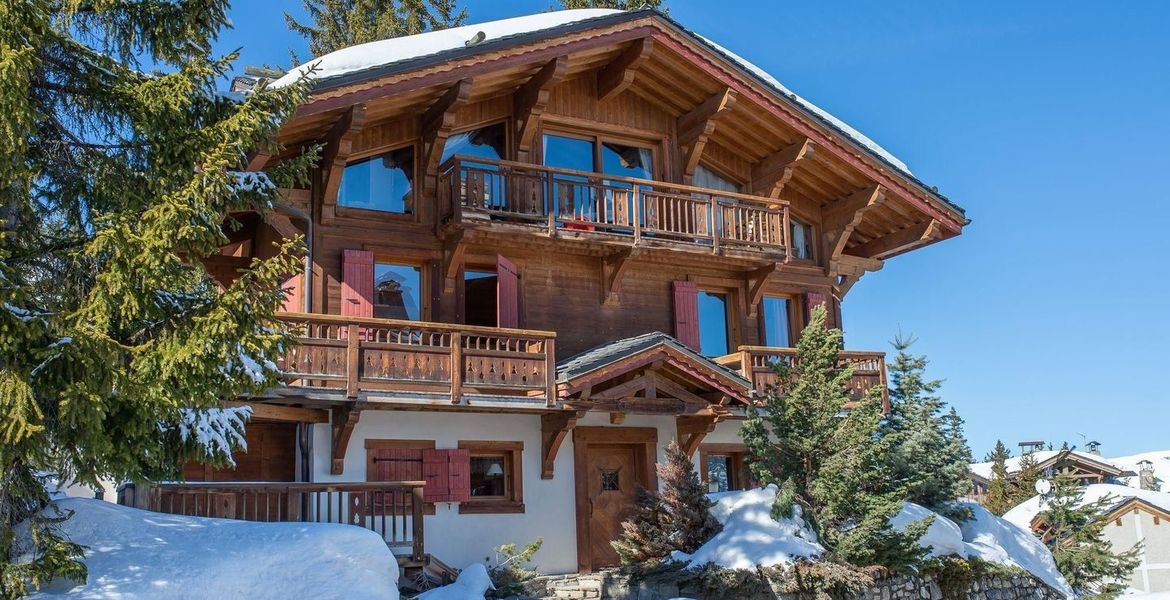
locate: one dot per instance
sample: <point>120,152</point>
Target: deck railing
<point>394,510</point>
<point>756,364</point>
<point>563,199</point>
<point>362,354</point>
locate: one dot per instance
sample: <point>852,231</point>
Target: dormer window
<point>383,183</point>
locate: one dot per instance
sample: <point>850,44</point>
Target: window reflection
<point>713,334</point>
<point>486,142</point>
<point>396,292</point>
<point>383,182</point>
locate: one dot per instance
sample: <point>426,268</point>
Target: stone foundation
<point>613,586</point>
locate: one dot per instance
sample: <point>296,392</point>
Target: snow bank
<point>943,537</point>
<point>1160,460</point>
<point>997,540</point>
<point>750,535</point>
<point>139,554</point>
<point>471,584</point>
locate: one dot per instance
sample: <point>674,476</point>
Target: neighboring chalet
<point>540,249</point>
<point>1087,467</point>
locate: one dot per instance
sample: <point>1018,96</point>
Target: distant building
<point>1087,467</point>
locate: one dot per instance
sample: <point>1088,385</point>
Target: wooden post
<point>352,356</point>
<point>636,207</point>
<point>550,372</point>
<point>456,182</point>
<point>787,235</point>
<point>711,224</point>
<point>416,507</point>
<point>456,367</point>
<point>550,203</point>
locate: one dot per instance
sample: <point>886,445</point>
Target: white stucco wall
<point>550,506</point>
<point>1153,574</point>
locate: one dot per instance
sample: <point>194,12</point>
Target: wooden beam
<point>553,429</point>
<point>530,101</point>
<point>437,123</point>
<point>454,248</point>
<point>839,219</point>
<point>257,160</point>
<point>770,174</point>
<point>756,281</point>
<point>899,241</point>
<point>279,412</point>
<point>615,77</point>
<point>338,145</point>
<point>617,418</point>
<point>678,391</point>
<point>613,270</point>
<point>691,431</point>
<point>344,420</point>
<point>697,125</point>
<point>283,225</point>
<point>623,389</point>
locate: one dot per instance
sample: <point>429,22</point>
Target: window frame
<point>424,284</point>
<point>737,478</point>
<point>597,138</point>
<point>370,213</point>
<point>814,251</point>
<point>513,500</point>
<point>794,324</point>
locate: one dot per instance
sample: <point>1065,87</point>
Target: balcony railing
<point>362,354</point>
<point>638,209</point>
<point>756,364</point>
<point>394,509</point>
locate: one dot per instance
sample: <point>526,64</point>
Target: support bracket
<point>695,127</point>
<point>553,429</point>
<point>615,77</point>
<point>344,420</point>
<point>338,145</point>
<point>530,101</point>
<point>771,174</point>
<point>613,269</point>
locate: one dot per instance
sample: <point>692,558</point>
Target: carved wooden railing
<point>578,200</point>
<point>756,364</point>
<point>362,354</point>
<point>394,510</point>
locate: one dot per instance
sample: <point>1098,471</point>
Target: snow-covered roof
<point>1027,510</point>
<point>1159,458</point>
<point>983,469</point>
<point>378,55</point>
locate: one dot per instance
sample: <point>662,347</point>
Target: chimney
<point>1028,447</point>
<point>1094,447</point>
<point>1146,478</point>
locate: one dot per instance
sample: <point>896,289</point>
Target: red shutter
<point>459,470</point>
<point>357,283</point>
<point>294,293</point>
<point>396,464</point>
<point>507,293</point>
<point>812,299</point>
<point>437,475</point>
<point>686,313</point>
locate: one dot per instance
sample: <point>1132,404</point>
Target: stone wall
<point>613,586</point>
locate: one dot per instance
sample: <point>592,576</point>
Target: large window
<point>708,178</point>
<point>383,183</point>
<point>497,484</point>
<point>487,142</point>
<point>598,155</point>
<point>776,314</point>
<point>714,337</point>
<point>397,291</point>
<point>802,239</point>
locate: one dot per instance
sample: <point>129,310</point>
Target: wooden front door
<point>612,482</point>
<point>611,462</point>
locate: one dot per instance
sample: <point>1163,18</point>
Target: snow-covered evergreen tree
<point>616,4</point>
<point>831,461</point>
<point>120,162</point>
<point>999,494</point>
<point>337,24</point>
<point>1023,485</point>
<point>1072,530</point>
<point>931,454</point>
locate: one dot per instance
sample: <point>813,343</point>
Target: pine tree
<point>1073,532</point>
<point>615,4</point>
<point>337,24</point>
<point>832,463</point>
<point>645,537</point>
<point>686,501</point>
<point>1023,485</point>
<point>931,454</point>
<point>114,183</point>
<point>999,494</point>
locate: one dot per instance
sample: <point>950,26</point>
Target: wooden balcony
<point>369,355</point>
<point>633,210</point>
<point>394,510</point>
<point>756,364</point>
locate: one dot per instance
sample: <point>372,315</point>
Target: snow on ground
<point>471,584</point>
<point>1160,459</point>
<point>139,554</point>
<point>751,536</point>
<point>1027,510</point>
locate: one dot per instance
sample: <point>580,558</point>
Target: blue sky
<point>1050,317</point>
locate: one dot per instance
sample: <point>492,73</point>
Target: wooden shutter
<point>395,464</point>
<point>437,475</point>
<point>686,313</point>
<point>294,293</point>
<point>357,283</point>
<point>507,293</point>
<point>459,470</point>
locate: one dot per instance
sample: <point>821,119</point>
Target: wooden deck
<point>634,209</point>
<point>756,362</point>
<point>363,355</point>
<point>394,510</point>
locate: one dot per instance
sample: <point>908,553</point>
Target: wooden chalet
<point>1087,467</point>
<point>539,250</point>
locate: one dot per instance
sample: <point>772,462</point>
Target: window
<point>627,161</point>
<point>802,239</point>
<point>598,155</point>
<point>497,483</point>
<point>397,292</point>
<point>708,178</point>
<point>487,142</point>
<point>479,297</point>
<point>568,153</point>
<point>383,183</point>
<point>776,314</point>
<point>713,331</point>
<point>722,467</point>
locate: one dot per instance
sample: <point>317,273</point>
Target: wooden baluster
<point>636,207</point>
<point>456,342</point>
<point>416,517</point>
<point>352,365</point>
<point>714,223</point>
<point>550,372</point>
